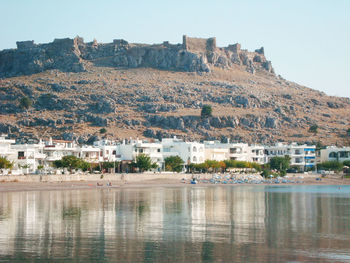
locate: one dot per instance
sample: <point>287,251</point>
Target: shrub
<point>5,164</point>
<point>313,128</point>
<point>206,111</point>
<point>25,103</point>
<point>103,130</point>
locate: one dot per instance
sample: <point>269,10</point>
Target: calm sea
<point>188,224</point>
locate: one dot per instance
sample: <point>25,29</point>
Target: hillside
<point>155,91</point>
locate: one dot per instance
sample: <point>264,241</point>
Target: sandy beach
<point>14,185</point>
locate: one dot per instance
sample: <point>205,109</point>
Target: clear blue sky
<point>308,41</point>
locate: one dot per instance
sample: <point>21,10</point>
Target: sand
<point>118,184</point>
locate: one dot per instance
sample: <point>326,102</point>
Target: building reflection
<point>177,224</point>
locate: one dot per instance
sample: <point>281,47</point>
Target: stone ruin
<point>70,55</point>
<point>202,45</point>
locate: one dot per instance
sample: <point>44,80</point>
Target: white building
<point>29,157</point>
<point>215,150</point>
<point>128,151</point>
<point>56,149</point>
<point>301,156</point>
<point>6,150</point>
<point>108,150</point>
<point>333,153</point>
<point>257,154</point>
<point>189,152</point>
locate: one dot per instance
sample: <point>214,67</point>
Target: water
<point>189,224</point>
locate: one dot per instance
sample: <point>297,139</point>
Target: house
<point>302,157</point>
<point>129,150</point>
<point>334,153</point>
<point>189,152</point>
<point>29,157</point>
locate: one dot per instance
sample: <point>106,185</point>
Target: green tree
<point>71,162</point>
<point>173,163</point>
<point>346,163</point>
<point>109,165</point>
<point>313,128</point>
<point>330,166</point>
<point>25,103</point>
<point>103,130</point>
<point>144,163</point>
<point>280,164</point>
<point>5,164</point>
<point>206,111</point>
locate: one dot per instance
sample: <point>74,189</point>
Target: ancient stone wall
<point>194,55</point>
<point>201,45</point>
<point>25,44</point>
<point>235,48</point>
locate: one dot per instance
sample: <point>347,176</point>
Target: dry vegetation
<point>293,108</point>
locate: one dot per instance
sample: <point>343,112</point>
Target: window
<point>158,150</point>
<point>194,149</point>
<point>333,155</point>
<point>201,149</point>
<point>194,158</point>
<point>114,152</point>
<point>201,159</point>
<point>20,155</point>
<point>344,154</point>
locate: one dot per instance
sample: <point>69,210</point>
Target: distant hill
<point>157,91</point>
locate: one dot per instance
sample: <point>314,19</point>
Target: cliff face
<point>71,55</point>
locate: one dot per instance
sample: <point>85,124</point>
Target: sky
<point>308,41</point>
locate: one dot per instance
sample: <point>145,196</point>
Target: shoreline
<point>132,181</point>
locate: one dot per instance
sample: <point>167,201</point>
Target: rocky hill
<point>157,91</point>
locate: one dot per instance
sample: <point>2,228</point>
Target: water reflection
<point>190,224</point>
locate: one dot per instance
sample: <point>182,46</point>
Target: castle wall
<point>25,44</point>
<point>199,44</point>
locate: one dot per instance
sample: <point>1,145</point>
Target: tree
<point>5,164</point>
<point>103,130</point>
<point>109,165</point>
<point>174,163</point>
<point>144,163</point>
<point>280,164</point>
<point>346,163</point>
<point>330,166</point>
<point>71,162</point>
<point>313,128</point>
<point>25,103</point>
<point>206,111</point>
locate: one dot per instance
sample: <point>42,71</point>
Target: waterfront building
<point>334,153</point>
<point>6,149</point>
<point>29,157</point>
<point>129,150</point>
<point>302,157</point>
<point>189,152</point>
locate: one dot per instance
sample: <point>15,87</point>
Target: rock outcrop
<point>70,55</point>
